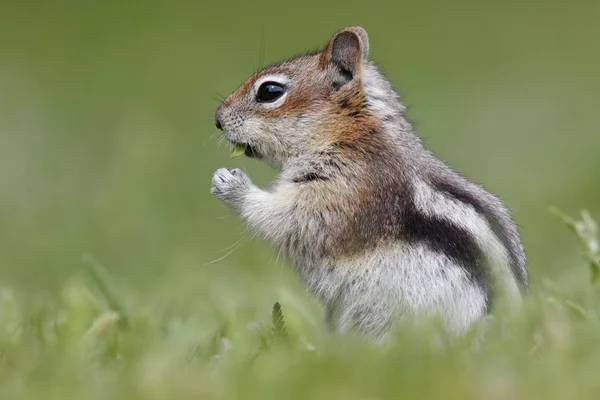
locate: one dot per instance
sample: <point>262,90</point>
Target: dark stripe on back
<point>456,243</point>
<point>443,237</point>
<point>496,224</point>
<point>392,215</point>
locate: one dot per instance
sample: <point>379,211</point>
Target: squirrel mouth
<point>252,152</point>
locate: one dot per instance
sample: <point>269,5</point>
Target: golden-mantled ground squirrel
<point>379,229</point>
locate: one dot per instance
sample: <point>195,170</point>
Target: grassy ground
<point>97,341</point>
<point>107,148</point>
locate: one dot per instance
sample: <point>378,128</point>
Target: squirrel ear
<point>346,51</point>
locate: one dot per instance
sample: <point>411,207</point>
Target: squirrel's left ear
<point>346,52</point>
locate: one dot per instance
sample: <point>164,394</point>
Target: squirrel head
<point>302,105</point>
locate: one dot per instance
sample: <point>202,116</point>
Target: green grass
<point>99,341</point>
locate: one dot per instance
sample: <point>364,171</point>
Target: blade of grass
<point>101,278</point>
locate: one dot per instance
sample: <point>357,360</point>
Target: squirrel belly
<point>380,230</point>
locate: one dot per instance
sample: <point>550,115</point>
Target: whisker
<point>234,244</point>
<point>233,248</point>
<point>221,258</point>
<point>221,141</point>
<point>211,137</point>
<point>218,97</point>
<point>261,54</point>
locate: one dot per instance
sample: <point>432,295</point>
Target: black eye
<point>269,91</point>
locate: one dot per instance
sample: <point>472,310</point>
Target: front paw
<point>230,184</point>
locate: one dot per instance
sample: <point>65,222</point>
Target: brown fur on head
<point>322,103</point>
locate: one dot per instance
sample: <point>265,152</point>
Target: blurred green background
<point>108,146</point>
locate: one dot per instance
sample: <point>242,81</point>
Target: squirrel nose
<point>218,123</point>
